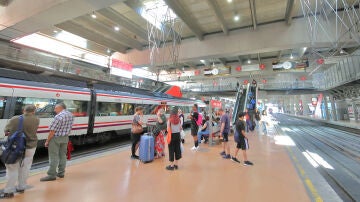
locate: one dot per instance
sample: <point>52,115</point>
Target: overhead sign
<point>211,72</point>
<point>215,104</point>
<point>290,65</point>
<point>120,68</point>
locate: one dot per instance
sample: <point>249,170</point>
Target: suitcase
<point>146,148</point>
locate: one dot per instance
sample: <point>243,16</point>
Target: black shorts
<point>243,144</point>
<point>194,131</point>
<point>225,137</point>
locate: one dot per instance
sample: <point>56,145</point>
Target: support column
<point>356,113</point>
<point>327,114</point>
<point>333,109</point>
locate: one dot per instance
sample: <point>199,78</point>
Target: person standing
<point>135,137</point>
<point>243,143</point>
<point>257,118</point>
<point>57,142</point>
<point>20,170</point>
<point>224,131</point>
<point>158,132</point>
<point>174,124</point>
<point>194,126</point>
<point>182,119</point>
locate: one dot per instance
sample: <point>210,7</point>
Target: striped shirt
<point>62,123</point>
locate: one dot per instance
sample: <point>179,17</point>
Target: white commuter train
<point>101,111</point>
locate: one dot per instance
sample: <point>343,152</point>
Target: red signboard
<point>215,104</point>
<point>121,65</point>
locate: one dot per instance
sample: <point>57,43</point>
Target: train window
<point>76,107</point>
<point>109,109</point>
<point>45,107</point>
<point>128,109</point>
<point>2,106</point>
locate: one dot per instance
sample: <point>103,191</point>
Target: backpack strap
<point>20,126</point>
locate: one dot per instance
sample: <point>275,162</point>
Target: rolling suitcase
<point>146,148</point>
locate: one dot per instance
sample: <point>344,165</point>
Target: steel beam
<point>289,14</point>
<point>219,16</point>
<point>109,32</point>
<point>253,13</point>
<point>91,35</point>
<point>124,22</point>
<point>185,17</point>
<point>223,61</point>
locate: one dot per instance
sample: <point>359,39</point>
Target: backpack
<point>15,146</point>
<point>199,120</point>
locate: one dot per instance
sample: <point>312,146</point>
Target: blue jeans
<point>263,125</point>
<point>202,133</point>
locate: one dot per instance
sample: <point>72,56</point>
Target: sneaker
<point>7,195</point>
<point>60,175</point>
<point>20,191</point>
<point>227,156</point>
<point>222,153</point>
<point>176,167</point>
<point>193,148</point>
<point>234,159</point>
<point>197,148</point>
<point>248,163</point>
<point>134,157</point>
<point>47,178</point>
<point>169,167</point>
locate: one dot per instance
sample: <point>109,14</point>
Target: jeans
<point>263,126</point>
<point>202,133</point>
<point>19,173</point>
<point>57,155</point>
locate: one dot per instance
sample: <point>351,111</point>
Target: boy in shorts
<point>243,141</point>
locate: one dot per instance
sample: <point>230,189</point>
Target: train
<point>101,111</point>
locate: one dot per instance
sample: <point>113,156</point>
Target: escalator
<point>240,101</point>
<point>245,100</point>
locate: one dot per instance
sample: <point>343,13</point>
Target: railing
<point>10,53</point>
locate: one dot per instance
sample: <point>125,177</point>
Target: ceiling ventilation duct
<point>5,2</point>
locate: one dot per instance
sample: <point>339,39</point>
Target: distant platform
<point>350,124</point>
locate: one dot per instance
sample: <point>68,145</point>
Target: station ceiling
<point>120,27</point>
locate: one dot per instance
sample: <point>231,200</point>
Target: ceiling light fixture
<point>116,28</point>
<point>249,61</point>
<point>342,51</point>
<point>229,1</point>
<point>93,15</point>
<point>202,61</point>
<point>108,51</point>
<point>291,56</point>
<point>236,17</point>
<point>55,31</point>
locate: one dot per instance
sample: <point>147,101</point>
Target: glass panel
<point>45,106</point>
<point>108,109</point>
<point>128,109</point>
<point>2,106</point>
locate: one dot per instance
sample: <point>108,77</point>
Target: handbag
<point>136,128</point>
<point>168,137</point>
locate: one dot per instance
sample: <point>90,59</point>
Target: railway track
<point>335,151</point>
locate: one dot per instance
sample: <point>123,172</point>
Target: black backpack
<point>15,146</point>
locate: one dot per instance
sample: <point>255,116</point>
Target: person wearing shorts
<point>243,143</point>
<point>224,131</point>
<point>194,127</point>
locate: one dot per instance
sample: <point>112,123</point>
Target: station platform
<point>202,176</point>
<point>349,124</point>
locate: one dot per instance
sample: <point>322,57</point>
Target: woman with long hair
<point>159,131</point>
<point>174,124</point>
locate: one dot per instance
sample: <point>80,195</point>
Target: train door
<point>6,101</point>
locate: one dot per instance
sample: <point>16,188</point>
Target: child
<point>243,141</point>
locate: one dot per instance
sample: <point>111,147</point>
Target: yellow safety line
<point>308,182</point>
